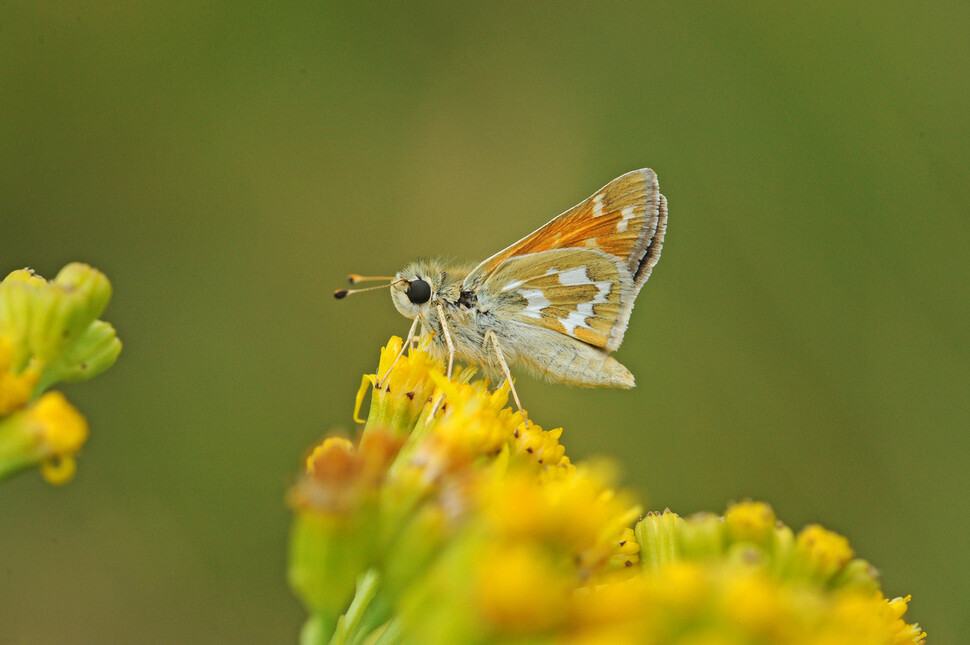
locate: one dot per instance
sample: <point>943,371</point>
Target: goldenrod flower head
<point>49,333</point>
<point>473,423</point>
<point>687,601</point>
<point>454,520</point>
<point>339,474</point>
<point>822,552</point>
<point>48,432</point>
<point>625,556</point>
<point>542,445</point>
<point>748,576</point>
<point>399,401</point>
<point>520,589</point>
<point>53,325</point>
<point>579,515</point>
<point>750,521</point>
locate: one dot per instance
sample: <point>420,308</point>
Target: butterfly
<point>557,302</point>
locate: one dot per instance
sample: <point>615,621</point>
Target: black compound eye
<point>419,291</point>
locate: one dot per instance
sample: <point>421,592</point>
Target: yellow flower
<point>15,388</point>
<point>520,589</point>
<point>542,445</point>
<point>404,393</point>
<point>746,576</point>
<point>339,474</point>
<point>823,553</point>
<point>691,601</point>
<point>49,432</point>
<point>49,333</point>
<point>456,521</point>
<point>626,552</point>
<point>750,521</point>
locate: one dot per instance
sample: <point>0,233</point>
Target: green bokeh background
<point>803,339</point>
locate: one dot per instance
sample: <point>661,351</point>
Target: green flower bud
<point>702,536</point>
<point>95,351</point>
<point>657,536</point>
<point>750,521</point>
<point>18,292</point>
<point>858,574</point>
<point>66,308</point>
<point>89,283</point>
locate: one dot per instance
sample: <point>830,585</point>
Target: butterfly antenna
<point>343,293</point>
<point>353,278</point>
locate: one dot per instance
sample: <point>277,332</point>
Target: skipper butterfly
<point>557,302</point>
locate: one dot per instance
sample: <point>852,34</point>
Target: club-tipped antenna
<point>353,278</point>
<point>343,293</point>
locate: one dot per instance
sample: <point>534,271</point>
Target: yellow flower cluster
<point>49,333</point>
<point>454,520</point>
<point>747,578</point>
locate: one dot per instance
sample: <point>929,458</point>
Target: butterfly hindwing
<point>581,293</point>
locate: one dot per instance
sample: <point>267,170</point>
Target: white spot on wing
<point>536,302</point>
<point>577,318</point>
<point>598,205</point>
<point>574,277</point>
<point>512,284</point>
<point>627,214</point>
<point>584,310</point>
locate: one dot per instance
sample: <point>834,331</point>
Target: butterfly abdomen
<point>570,361</point>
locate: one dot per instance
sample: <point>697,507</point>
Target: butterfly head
<point>415,289</point>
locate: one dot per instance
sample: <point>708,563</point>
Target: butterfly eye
<point>419,291</point>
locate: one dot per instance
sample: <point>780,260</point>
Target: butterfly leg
<point>451,356</point>
<point>404,346</point>
<point>447,334</point>
<point>490,336</point>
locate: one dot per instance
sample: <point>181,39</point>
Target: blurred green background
<point>803,339</point>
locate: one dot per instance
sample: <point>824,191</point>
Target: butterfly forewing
<point>580,273</point>
<point>621,219</point>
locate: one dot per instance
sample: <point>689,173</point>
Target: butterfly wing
<point>580,273</point>
<point>577,292</point>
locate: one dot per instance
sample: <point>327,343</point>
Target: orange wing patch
<point>623,219</point>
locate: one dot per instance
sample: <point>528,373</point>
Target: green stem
<point>391,635</point>
<point>367,587</point>
<point>17,446</point>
